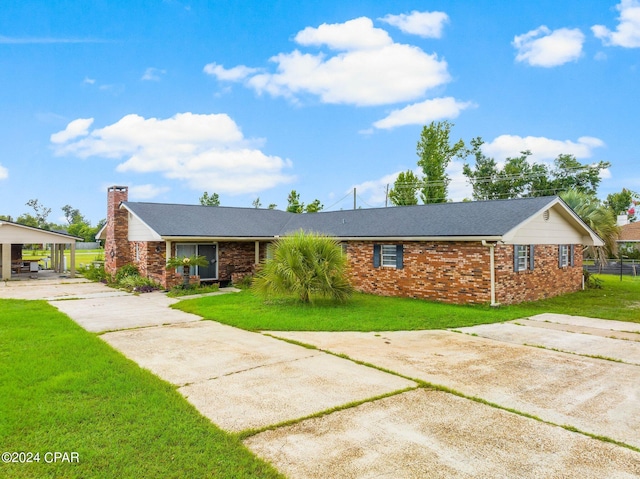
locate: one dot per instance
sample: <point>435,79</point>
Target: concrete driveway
<point>384,422</point>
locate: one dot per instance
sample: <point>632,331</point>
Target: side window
<point>388,255</point>
<point>523,257</point>
<point>565,255</point>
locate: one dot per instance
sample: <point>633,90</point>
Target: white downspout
<point>492,270</point>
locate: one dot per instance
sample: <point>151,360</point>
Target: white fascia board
<point>339,238</point>
<point>40,231</point>
<point>155,236</point>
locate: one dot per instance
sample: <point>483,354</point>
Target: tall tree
<point>313,207</point>
<point>435,152</point>
<point>41,213</point>
<point>213,200</point>
<point>73,215</point>
<point>623,202</point>
<point>256,203</point>
<point>293,202</point>
<point>569,173</point>
<point>405,189</point>
<point>520,177</point>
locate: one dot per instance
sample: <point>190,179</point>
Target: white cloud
<point>232,74</point>
<point>375,191</point>
<point>89,81</point>
<point>357,34</point>
<point>543,48</point>
<point>153,74</point>
<point>627,33</point>
<point>423,112</point>
<point>424,24</point>
<point>4,173</point>
<point>369,68</point>
<point>79,127</point>
<point>202,150</point>
<point>146,192</point>
<point>542,149</point>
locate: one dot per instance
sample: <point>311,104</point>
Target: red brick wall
<point>117,251</point>
<point>235,260</point>
<point>458,272</point>
<point>546,279</point>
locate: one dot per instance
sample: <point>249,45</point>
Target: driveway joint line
<point>253,368</point>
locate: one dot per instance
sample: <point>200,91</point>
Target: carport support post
<point>54,257</point>
<point>72,261</point>
<point>6,261</point>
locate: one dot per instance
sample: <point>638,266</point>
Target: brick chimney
<point>116,247</point>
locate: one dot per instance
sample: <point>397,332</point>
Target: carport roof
<point>16,233</point>
<point>478,219</point>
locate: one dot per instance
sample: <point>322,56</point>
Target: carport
<point>14,235</point>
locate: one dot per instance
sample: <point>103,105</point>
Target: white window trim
<point>523,258</point>
<point>564,255</point>
<point>389,258</point>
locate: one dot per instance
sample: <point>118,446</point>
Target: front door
<point>209,251</point>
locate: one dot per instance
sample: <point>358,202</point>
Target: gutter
<point>492,269</point>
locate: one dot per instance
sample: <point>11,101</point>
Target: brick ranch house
<point>497,252</point>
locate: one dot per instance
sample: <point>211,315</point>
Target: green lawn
<point>63,389</point>
<point>617,300</point>
<point>83,256</point>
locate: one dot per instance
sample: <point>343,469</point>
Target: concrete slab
<point>243,380</point>
<point>578,343</point>
<point>52,289</point>
<point>191,352</point>
<point>597,396</point>
<point>98,313</point>
<point>605,333</point>
<point>605,324</point>
<point>274,393</point>
<point>432,434</point>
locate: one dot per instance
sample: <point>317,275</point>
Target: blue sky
<point>256,98</point>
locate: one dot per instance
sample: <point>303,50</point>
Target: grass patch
<point>180,290</point>
<point>616,300</point>
<point>63,389</point>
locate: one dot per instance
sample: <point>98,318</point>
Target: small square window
<point>389,253</point>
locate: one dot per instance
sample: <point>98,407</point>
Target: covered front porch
<point>12,238</point>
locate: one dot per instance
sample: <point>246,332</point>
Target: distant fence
<point>627,268</point>
<point>83,245</point>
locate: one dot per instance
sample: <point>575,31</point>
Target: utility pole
<point>354,198</point>
<point>386,196</point>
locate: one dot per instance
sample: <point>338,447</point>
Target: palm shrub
<point>305,264</point>
<point>185,262</point>
<point>599,218</point>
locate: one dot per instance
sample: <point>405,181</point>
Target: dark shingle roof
<point>479,218</point>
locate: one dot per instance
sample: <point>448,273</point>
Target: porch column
<point>61,258</point>
<point>54,257</point>
<point>257,256</point>
<point>72,260</point>
<point>6,261</point>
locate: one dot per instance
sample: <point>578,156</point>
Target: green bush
<point>138,284</point>
<point>126,270</point>
<point>93,272</point>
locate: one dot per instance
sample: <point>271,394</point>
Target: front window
<point>187,250</point>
